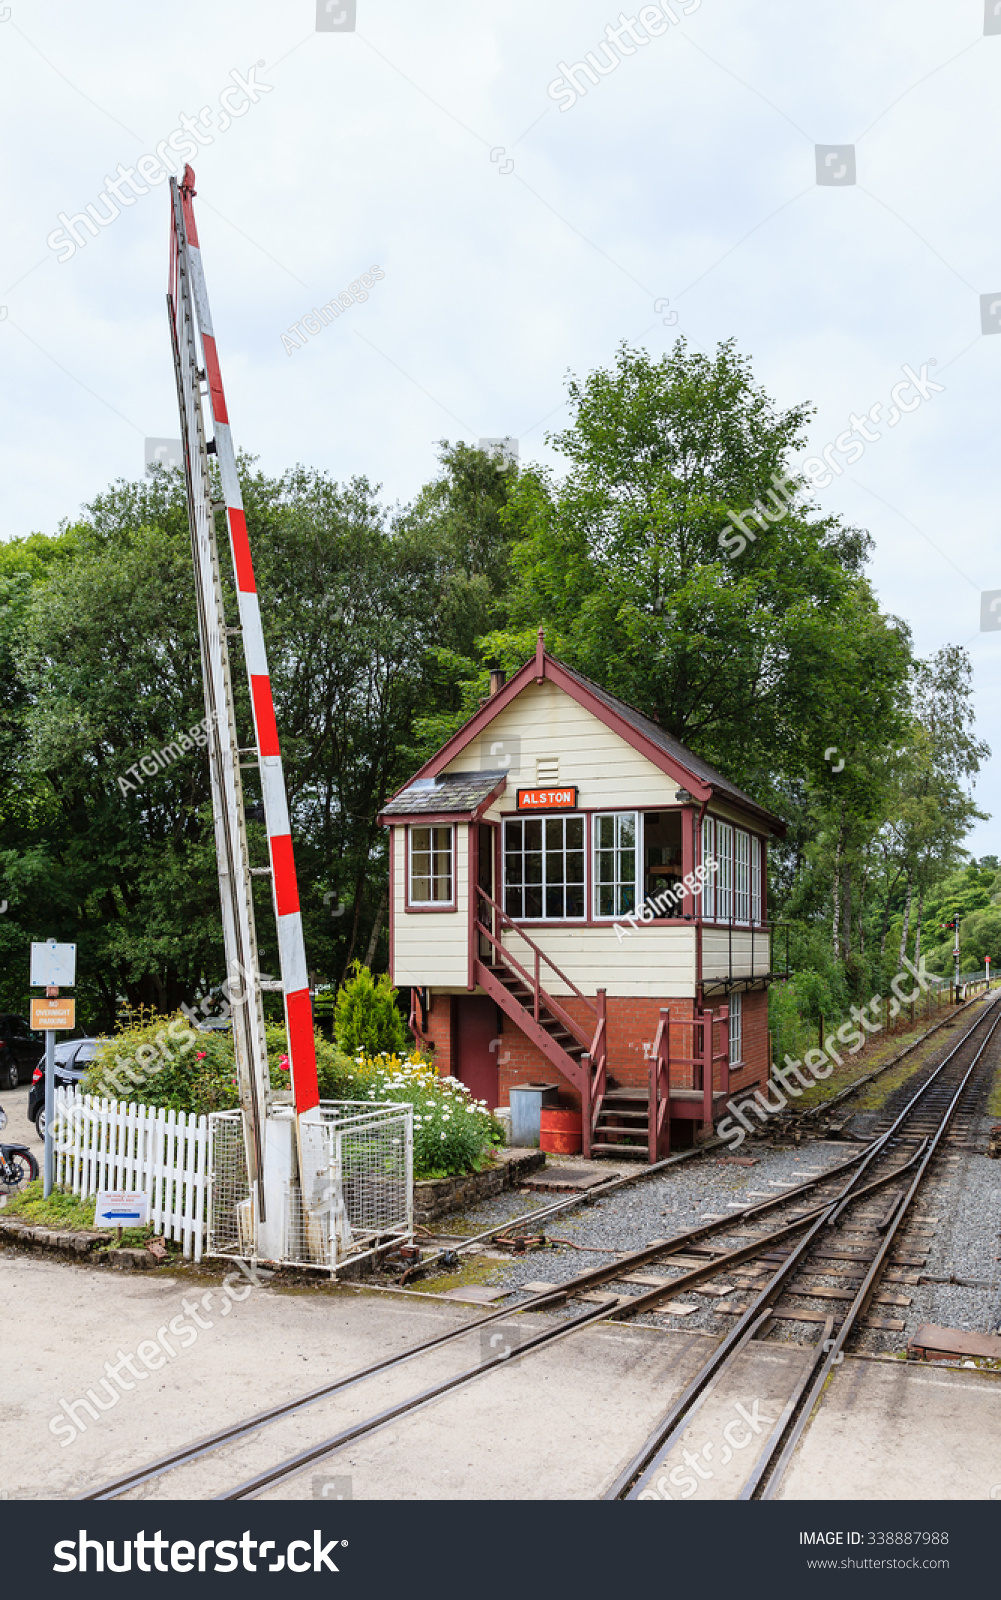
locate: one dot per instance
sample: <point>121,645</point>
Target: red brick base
<point>631,1030</point>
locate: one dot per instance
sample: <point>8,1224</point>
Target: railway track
<point>897,1162</point>
<point>774,1248</point>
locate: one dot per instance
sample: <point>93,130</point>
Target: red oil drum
<point>559,1131</point>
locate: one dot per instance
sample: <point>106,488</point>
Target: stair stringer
<point>523,1018</point>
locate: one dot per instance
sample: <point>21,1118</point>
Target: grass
<point>64,1212</point>
<point>882,1048</point>
<point>994,1103</point>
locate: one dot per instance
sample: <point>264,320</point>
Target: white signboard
<point>53,965</point>
<point>118,1208</point>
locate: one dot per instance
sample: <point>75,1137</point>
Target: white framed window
<point>432,873</point>
<point>709,881</point>
<point>724,871</point>
<point>742,876</point>
<point>616,863</point>
<point>755,879</point>
<point>735,1032</point>
<point>544,868</point>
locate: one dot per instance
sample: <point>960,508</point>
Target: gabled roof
<point>659,747</point>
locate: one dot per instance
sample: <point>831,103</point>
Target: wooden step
<point>623,1151</point>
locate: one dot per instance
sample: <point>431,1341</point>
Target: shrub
<point>453,1133</point>
<point>366,1017</point>
<point>161,1061</point>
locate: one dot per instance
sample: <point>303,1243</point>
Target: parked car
<point>73,1057</point>
<point>19,1048</point>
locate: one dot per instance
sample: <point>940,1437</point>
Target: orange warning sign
<point>54,1016</point>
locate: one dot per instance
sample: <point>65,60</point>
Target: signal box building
<point>577,899</point>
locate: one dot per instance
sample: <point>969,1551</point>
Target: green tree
<point>366,1018</point>
<point>629,562</point>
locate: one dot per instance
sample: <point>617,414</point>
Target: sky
<point>817,181</point>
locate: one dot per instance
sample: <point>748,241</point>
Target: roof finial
<point>540,656</point>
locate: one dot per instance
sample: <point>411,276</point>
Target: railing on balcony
<point>756,950</point>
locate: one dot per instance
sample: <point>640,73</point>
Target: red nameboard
<point>547,799</point>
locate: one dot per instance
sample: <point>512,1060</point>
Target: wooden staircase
<point>574,1051</point>
<point>622,1127</point>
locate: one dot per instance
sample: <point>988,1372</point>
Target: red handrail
<point>537,989</point>
<point>539,954</point>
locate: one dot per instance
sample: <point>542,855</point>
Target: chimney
<point>498,679</point>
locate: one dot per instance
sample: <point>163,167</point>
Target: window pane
<point>536,857</point>
<point>575,833</point>
<point>431,866</point>
<point>615,860</point>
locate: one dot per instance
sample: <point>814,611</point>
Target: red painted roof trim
<point>551,668</point>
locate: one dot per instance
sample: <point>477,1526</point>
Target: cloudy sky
<point>524,230</point>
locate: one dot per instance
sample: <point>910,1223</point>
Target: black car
<point>73,1057</point>
<point>19,1048</point>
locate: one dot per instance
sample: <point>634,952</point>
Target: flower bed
<point>162,1061</point>
<point>453,1133</point>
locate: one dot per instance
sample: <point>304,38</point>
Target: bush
<point>366,1018</point>
<point>161,1061</point>
<point>452,1132</point>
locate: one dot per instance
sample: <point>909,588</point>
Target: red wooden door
<point>475,1024</point>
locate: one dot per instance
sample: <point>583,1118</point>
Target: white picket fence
<point>104,1144</point>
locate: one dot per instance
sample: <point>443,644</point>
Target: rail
<point>540,955</point>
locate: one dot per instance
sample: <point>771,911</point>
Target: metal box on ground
<point>527,1101</point>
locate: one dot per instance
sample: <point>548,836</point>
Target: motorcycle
<point>18,1166</point>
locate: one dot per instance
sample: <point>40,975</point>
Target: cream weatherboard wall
<point>544,721</point>
<point>609,774</point>
<point>652,962</point>
<point>717,948</point>
<point>431,947</point>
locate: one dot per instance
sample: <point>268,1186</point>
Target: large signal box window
<point>544,869</point>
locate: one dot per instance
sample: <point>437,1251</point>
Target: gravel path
<point>655,1208</point>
